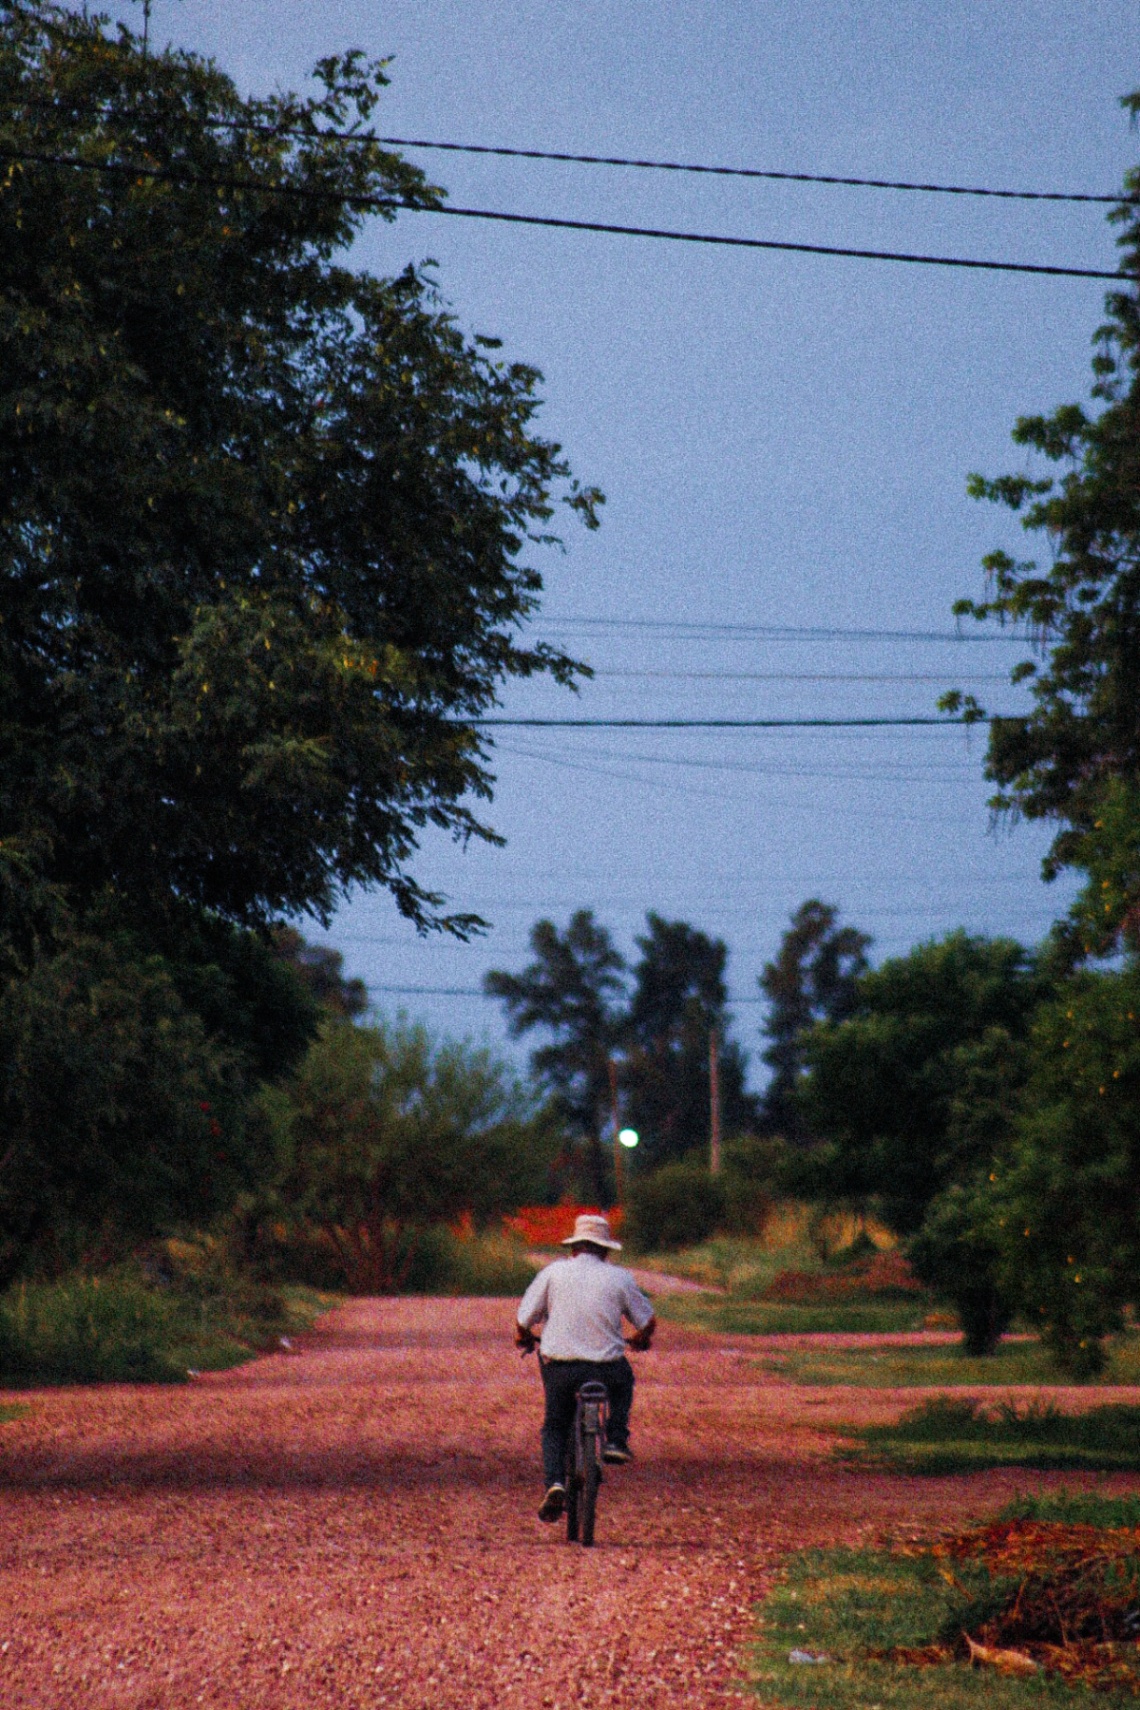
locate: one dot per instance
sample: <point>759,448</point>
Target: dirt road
<point>353,1524</point>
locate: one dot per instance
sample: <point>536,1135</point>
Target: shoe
<point>553,1503</point>
<point>617,1454</point>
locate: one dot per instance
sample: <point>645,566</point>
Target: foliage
<point>749,1317</point>
<point>320,970</point>
<point>1013,1612</point>
<point>261,515</point>
<point>573,990</point>
<point>1021,1362</point>
<point>1075,758</point>
<point>679,998</point>
<point>678,1205</point>
<point>813,978</point>
<point>118,1113</point>
<point>956,1251</point>
<point>644,1052</point>
<point>1066,1194</point>
<point>483,1263</point>
<point>951,1435</point>
<point>867,1610</point>
<point>121,1328</point>
<point>913,1094</point>
<point>386,1132</point>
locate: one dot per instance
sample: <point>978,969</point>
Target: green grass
<point>943,1367</point>
<point>843,1604</point>
<point>759,1318</point>
<point>10,1410</point>
<point>1075,1508</point>
<point>122,1329</point>
<point>951,1436</point>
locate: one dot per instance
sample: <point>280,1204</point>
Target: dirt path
<point>353,1525</point>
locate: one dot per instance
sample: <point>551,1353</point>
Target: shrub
<point>678,1206</point>
<point>84,1330</point>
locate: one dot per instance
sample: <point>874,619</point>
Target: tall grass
<point>84,1330</point>
<point>183,1307</point>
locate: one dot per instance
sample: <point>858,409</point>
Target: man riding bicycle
<point>580,1303</point>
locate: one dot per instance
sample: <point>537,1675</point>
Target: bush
<point>678,1206</point>
<point>487,1264</point>
<point>84,1330</point>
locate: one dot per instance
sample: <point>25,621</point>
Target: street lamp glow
<point>629,1137</point>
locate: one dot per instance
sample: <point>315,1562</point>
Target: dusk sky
<point>783,439</point>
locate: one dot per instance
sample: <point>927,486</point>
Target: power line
<point>478,991</point>
<point>717,723</point>
<point>669,235</point>
<point>363,139</point>
<point>800,676</point>
<point>740,171</point>
<point>793,632</point>
<point>387,204</point>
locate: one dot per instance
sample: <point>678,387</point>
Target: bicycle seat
<point>592,1390</point>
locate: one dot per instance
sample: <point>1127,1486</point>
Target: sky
<point>783,440</point>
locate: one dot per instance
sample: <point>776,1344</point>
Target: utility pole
<point>611,1065</point>
<point>714,1102</point>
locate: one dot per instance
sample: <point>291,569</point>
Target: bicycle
<point>584,1462</point>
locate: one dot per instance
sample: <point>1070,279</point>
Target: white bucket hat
<point>593,1229</point>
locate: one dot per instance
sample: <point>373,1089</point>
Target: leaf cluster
<point>261,514</point>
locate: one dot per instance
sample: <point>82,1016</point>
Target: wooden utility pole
<point>714,1102</point>
<point>619,1184</point>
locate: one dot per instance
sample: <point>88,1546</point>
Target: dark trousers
<point>561,1380</point>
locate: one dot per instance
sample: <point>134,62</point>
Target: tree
<point>120,1117</point>
<point>321,970</point>
<point>1066,1191</point>
<point>679,997</point>
<point>262,516</point>
<point>385,1131</point>
<point>813,978</point>
<point>574,990</point>
<point>126,1077</point>
<point>914,1094</point>
<point>1075,758</point>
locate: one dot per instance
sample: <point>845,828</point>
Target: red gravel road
<point>353,1524</point>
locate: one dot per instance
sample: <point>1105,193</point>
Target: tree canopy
<point>812,978</point>
<point>1075,758</point>
<point>384,1130</point>
<point>263,517</point>
<point>679,998</point>
<point>574,990</point>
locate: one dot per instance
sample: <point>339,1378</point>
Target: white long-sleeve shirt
<point>581,1302</point>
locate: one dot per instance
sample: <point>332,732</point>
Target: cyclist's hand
<point>642,1339</point>
<point>524,1338</point>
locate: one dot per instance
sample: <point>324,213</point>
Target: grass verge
<point>123,1329</point>
<point>948,1435</point>
<point>734,1317</point>
<point>944,1367</point>
<point>1019,1612</point>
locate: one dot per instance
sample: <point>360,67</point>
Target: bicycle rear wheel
<point>573,1492</point>
<point>592,1476</point>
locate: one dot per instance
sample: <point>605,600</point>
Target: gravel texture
<point>352,1524</point>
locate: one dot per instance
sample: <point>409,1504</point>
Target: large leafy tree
<point>263,517</point>
<point>813,977</point>
<point>1064,1204</point>
<point>573,990</point>
<point>679,997</point>
<point>913,1097</point>
<point>1074,760</point>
